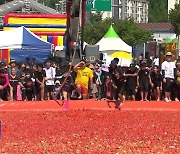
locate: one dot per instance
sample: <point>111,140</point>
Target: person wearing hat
<point>84,75</point>
<point>131,81</point>
<point>168,74</point>
<point>13,64</point>
<point>49,81</point>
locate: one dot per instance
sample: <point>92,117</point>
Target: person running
<point>119,86</point>
<point>168,74</point>
<point>143,81</point>
<point>84,75</point>
<point>67,85</point>
<point>50,76</point>
<point>157,82</point>
<point>40,77</point>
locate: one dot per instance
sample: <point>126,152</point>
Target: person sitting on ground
<point>177,85</point>
<point>4,82</point>
<point>119,86</point>
<point>168,75</point>
<point>84,75</point>
<point>40,77</point>
<point>143,81</point>
<point>157,82</point>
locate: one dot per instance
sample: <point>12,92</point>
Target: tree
<point>127,29</point>
<point>174,16</point>
<point>158,10</point>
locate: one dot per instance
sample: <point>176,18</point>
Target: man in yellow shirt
<point>84,75</point>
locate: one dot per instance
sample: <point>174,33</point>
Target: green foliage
<point>158,10</point>
<point>50,3</point>
<point>128,30</point>
<point>174,16</point>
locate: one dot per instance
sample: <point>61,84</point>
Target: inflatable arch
<point>50,27</point>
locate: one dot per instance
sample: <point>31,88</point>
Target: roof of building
<point>156,26</point>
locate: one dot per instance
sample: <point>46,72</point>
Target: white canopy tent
<point>21,38</point>
<point>112,42</point>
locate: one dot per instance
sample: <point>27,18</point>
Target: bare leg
<point>133,97</point>
<point>158,94</point>
<point>42,93</point>
<point>85,96</point>
<point>52,95</point>
<point>65,95</point>
<point>145,96</point>
<point>48,96</point>
<point>141,93</point>
<point>79,91</point>
<point>11,94</point>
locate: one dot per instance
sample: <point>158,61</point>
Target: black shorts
<point>66,88</point>
<point>49,88</point>
<point>119,91</point>
<point>131,91</point>
<point>144,86</point>
<point>168,85</point>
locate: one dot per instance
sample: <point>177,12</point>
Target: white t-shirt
<point>156,61</point>
<point>168,67</point>
<point>50,73</point>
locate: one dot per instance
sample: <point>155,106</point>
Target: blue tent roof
<point>20,55</point>
<point>31,41</point>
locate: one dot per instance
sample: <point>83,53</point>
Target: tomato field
<point>90,131</point>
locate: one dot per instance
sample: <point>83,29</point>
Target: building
<point>122,9</point>
<point>171,4</point>
<point>161,31</point>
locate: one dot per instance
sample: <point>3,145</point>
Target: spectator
<point>84,75</point>
<point>34,62</point>
<point>28,62</point>
<point>157,82</point>
<point>13,64</point>
<point>156,61</point>
<point>112,69</point>
<point>143,81</point>
<point>57,88</point>
<point>40,77</point>
<point>22,69</point>
<point>14,81</point>
<point>131,83</point>
<point>4,82</point>
<point>141,58</point>
<point>108,90</point>
<point>103,77</point>
<point>168,73</point>
<point>50,76</point>
<point>29,90</point>
<point>177,85</point>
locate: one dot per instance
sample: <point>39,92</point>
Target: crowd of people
<point>49,81</point>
